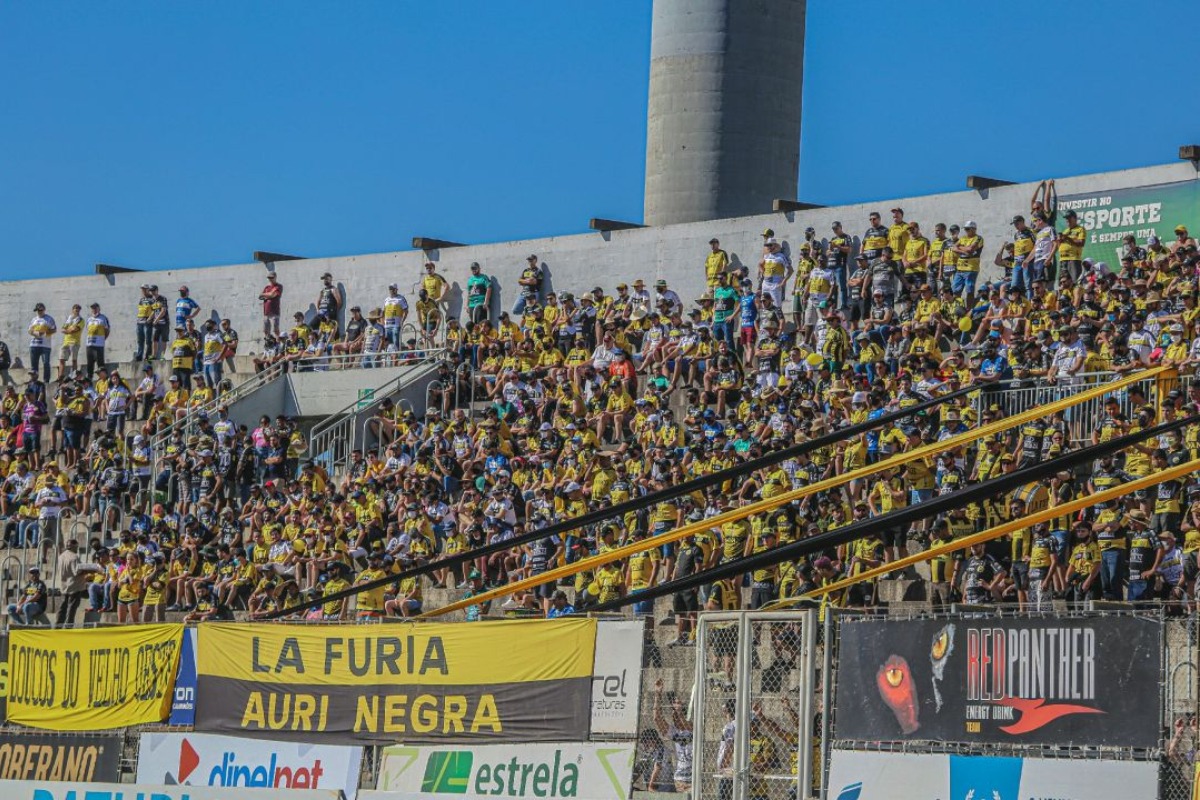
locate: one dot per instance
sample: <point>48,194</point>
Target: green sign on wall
<point>1143,211</point>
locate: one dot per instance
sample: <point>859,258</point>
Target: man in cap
<point>186,308</point>
<point>395,311</point>
<point>774,271</point>
<point>1070,246</point>
<point>145,328</point>
<point>530,282</point>
<point>73,579</point>
<point>32,602</point>
<point>72,331</point>
<point>329,297</point>
<point>41,328</point>
<point>272,302</point>
<point>837,259</point>
<point>715,263</point>
<point>968,248</point>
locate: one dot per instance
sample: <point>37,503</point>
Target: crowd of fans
<point>583,401</point>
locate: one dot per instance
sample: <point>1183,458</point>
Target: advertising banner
<point>1091,681</point>
<point>183,706</point>
<point>32,790</point>
<point>617,677</point>
<point>92,679</point>
<point>584,771</point>
<point>199,759</point>
<point>43,757</point>
<point>514,681</point>
<point>1143,211</point>
<point>859,775</point>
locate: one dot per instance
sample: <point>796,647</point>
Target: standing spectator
<point>531,285</point>
<point>837,258</point>
<point>915,256</point>
<point>183,357</point>
<point>725,303</point>
<point>272,299</point>
<point>395,311</point>
<point>230,337</point>
<point>186,308</point>
<point>33,600</point>
<point>874,239</point>
<point>479,295</point>
<point>69,350</point>
<point>212,350</point>
<point>1022,251</point>
<point>145,328</point>
<point>967,249</point>
<point>435,285</point>
<point>898,232</point>
<point>50,501</point>
<point>1070,245</point>
<point>715,263</point>
<point>6,378</point>
<point>329,298</point>
<point>1045,241</point>
<point>160,322</point>
<point>774,271</point>
<point>97,335</point>
<point>73,579</point>
<point>41,328</point>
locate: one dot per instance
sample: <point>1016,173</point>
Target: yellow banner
<point>426,654</point>
<point>94,679</point>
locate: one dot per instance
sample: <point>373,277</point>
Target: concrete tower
<point>723,134</point>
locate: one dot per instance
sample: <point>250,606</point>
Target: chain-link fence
<point>754,706</point>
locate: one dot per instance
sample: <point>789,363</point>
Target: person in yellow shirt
<point>72,331</point>
<point>715,263</point>
<point>968,250</point>
<point>915,255</point>
<point>1070,246</point>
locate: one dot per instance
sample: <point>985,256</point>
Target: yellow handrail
<point>762,506</point>
<point>1069,507</point>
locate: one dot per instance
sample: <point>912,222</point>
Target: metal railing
<point>188,422</point>
<point>334,438</point>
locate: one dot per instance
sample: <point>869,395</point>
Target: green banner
<point>1144,211</point>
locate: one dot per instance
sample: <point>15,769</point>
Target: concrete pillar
<point>723,133</point>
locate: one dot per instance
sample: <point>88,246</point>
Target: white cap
<point>573,487</point>
<point>772,240</point>
<point>859,397</point>
<point>969,224</point>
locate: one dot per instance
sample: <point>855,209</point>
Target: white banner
<point>617,677</point>
<point>31,790</point>
<point>859,775</point>
<point>201,759</point>
<point>579,771</point>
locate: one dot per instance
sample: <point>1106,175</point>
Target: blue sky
<point>161,135</point>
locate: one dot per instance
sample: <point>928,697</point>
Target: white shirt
<point>41,328</point>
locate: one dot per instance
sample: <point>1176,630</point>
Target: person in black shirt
<point>982,576</point>
<point>33,599</point>
<point>686,603</point>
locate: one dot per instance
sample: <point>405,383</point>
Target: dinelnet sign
<point>576,771</point>
<point>92,679</point>
<point>516,681</point>
<point>1091,681</point>
<point>32,790</point>
<point>198,759</point>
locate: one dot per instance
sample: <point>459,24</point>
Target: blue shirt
<point>748,310</point>
<point>184,308</point>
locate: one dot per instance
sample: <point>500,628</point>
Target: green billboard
<point>1143,211</point>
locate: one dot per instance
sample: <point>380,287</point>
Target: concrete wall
<point>723,118</point>
<point>573,263</point>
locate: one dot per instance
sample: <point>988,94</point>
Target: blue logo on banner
<point>985,777</point>
<point>851,792</point>
<point>183,708</point>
